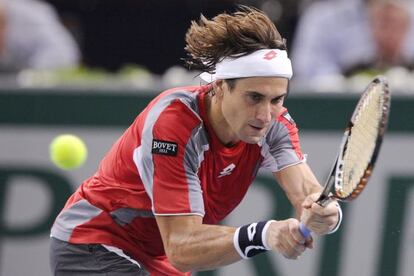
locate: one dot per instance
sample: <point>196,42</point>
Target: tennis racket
<point>359,148</point>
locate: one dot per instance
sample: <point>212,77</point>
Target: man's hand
<point>284,237</point>
<point>320,220</point>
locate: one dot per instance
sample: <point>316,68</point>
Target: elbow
<point>180,267</point>
<point>177,260</point>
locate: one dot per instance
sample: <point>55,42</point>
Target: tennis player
<point>187,161</point>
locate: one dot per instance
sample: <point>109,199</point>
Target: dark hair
<point>229,35</point>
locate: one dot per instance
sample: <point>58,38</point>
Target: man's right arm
<point>191,245</point>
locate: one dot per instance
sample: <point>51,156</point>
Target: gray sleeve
<point>281,148</point>
<point>172,175</point>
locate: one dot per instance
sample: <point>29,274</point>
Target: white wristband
<point>250,239</point>
<point>339,219</point>
<point>264,234</point>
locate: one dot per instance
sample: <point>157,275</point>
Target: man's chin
<point>252,139</point>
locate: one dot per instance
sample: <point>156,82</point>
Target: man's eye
<point>276,101</point>
<point>255,98</point>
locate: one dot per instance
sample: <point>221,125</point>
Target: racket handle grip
<point>304,230</point>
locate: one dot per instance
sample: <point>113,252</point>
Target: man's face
<point>390,23</point>
<point>251,106</point>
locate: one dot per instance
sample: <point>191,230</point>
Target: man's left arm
<point>303,189</point>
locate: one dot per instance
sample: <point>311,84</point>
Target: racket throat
<point>324,200</point>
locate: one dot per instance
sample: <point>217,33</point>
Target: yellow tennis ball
<point>68,151</point>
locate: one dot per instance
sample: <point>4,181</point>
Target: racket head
<point>361,142</point>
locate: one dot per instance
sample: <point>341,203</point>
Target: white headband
<point>262,63</point>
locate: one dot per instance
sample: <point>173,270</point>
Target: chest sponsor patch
<point>164,147</point>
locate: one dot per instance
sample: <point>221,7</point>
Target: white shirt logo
<point>251,231</point>
<point>227,170</point>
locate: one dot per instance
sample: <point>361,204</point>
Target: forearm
<point>207,247</point>
<point>298,182</point>
<point>204,247</point>
<point>191,245</point>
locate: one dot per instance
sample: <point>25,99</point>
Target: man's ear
<point>219,88</point>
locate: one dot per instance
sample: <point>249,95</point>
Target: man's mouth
<point>256,128</point>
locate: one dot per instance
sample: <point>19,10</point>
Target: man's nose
<point>266,113</point>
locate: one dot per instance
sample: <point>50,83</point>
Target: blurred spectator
<point>31,36</point>
<point>345,37</point>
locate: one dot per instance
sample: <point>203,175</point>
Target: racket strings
<point>362,140</point>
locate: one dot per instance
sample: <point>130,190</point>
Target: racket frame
<point>336,175</point>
